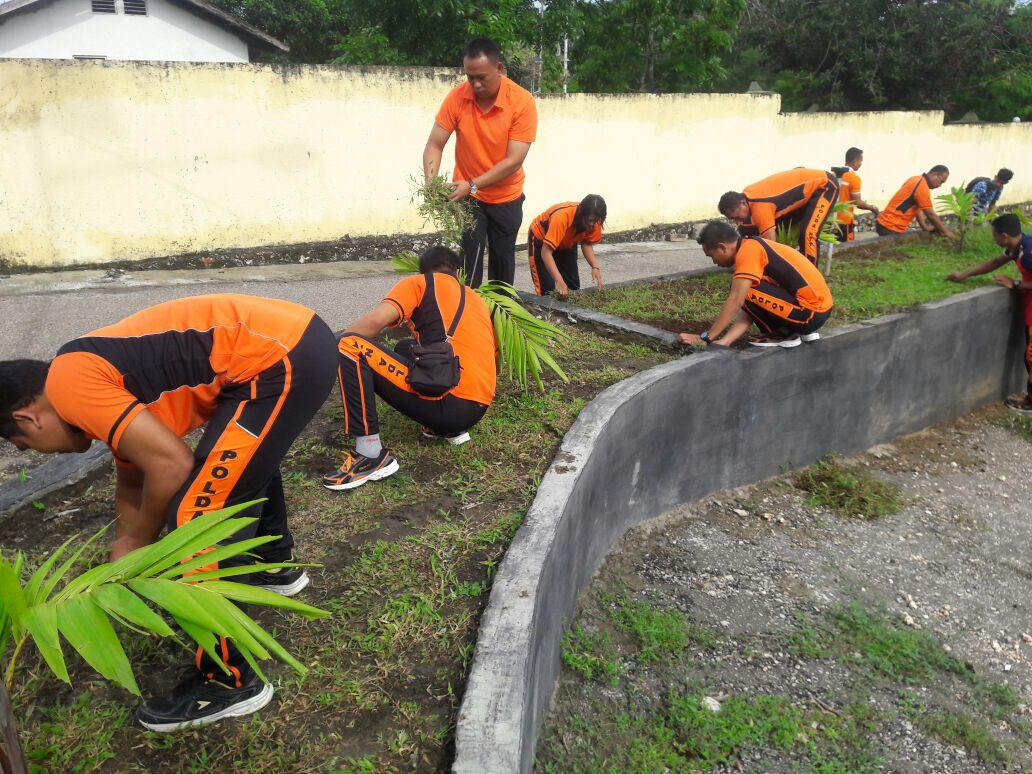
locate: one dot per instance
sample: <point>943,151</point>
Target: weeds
<point>848,490</point>
<point>659,632</point>
<point>590,654</point>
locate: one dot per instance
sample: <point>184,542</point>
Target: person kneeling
<point>774,286</point>
<point>453,332</point>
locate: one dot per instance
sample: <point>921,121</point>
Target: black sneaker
<point>286,581</point>
<point>198,701</point>
<point>357,470</point>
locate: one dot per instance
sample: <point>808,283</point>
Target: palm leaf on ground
<point>172,575</point>
<point>523,339</point>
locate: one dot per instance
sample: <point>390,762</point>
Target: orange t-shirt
<point>914,195</point>
<point>763,260</point>
<point>555,227</point>
<point>781,194</point>
<point>172,359</point>
<point>474,339</point>
<point>848,188</point>
<point>482,139</point>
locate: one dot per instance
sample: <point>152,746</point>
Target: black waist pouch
<point>435,367</point>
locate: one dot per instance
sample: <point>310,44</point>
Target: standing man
<point>805,196</point>
<point>914,200</point>
<point>849,191</point>
<point>495,121</point>
<point>987,192</point>
<point>253,372</point>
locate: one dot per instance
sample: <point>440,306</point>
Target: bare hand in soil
<point>561,289</point>
<point>955,277</point>
<point>689,339</point>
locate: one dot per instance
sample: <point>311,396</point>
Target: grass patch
<point>591,655</point>
<point>1018,424</point>
<point>849,490</point>
<point>870,280</point>
<point>408,564</point>
<point>959,729</point>
<point>659,633</point>
<point>686,736</point>
<point>872,640</point>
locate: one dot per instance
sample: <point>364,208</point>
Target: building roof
<point>224,19</point>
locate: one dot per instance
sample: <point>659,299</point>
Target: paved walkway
<point>41,311</point>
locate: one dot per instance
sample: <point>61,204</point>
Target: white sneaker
<point>457,439</point>
<point>770,341</point>
<point>810,336</point>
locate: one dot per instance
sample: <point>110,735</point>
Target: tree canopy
<point>956,56</point>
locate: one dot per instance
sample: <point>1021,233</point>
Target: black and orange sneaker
<point>357,470</point>
<point>199,700</point>
<point>1022,405</point>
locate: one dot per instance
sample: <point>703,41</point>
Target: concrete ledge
<point>684,429</point>
<point>56,473</point>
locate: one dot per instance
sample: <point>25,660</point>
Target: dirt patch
<point>809,615</point>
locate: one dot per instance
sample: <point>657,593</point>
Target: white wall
<point>67,28</point>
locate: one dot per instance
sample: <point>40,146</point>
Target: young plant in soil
<point>960,204</point>
<point>849,490</point>
<point>174,574</point>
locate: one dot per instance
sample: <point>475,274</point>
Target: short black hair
<point>1004,175</point>
<point>592,204</point>
<point>21,382</point>
<point>853,154</point>
<point>1009,224</point>
<point>729,201</point>
<point>939,169</point>
<point>439,258</point>
<point>482,47</point>
<point>717,232</point>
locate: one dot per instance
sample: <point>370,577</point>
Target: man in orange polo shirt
<point>914,200</point>
<point>774,286</point>
<point>804,196</point>
<point>849,191</point>
<point>495,121</point>
<point>253,372</point>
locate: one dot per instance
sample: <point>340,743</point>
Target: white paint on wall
<point>65,29</point>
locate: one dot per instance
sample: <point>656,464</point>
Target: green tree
<point>654,45</point>
<point>886,54</point>
<point>310,27</point>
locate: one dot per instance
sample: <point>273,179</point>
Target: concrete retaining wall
<point>684,429</point>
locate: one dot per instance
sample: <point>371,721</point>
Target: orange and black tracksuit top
<point>766,261</point>
<point>172,359</point>
<point>554,227</point>
<point>914,195</point>
<point>781,193</point>
<point>474,340</point>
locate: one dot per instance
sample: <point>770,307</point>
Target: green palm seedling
<point>172,574</point>
<point>960,204</point>
<point>523,339</point>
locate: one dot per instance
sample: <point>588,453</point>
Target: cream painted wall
<point>106,160</point>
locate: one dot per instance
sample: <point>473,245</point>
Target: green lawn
<point>874,279</point>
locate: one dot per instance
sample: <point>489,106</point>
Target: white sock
<point>368,445</point>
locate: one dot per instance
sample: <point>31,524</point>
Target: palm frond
<point>174,575</point>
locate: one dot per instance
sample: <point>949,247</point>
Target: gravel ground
<point>747,563</point>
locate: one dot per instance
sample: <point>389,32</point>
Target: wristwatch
<point>472,188</point>
<point>705,337</point>
<point>1017,284</point>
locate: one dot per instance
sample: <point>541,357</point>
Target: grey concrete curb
<point>690,427</point>
<point>56,473</point>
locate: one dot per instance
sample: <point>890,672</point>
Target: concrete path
<point>41,311</point>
